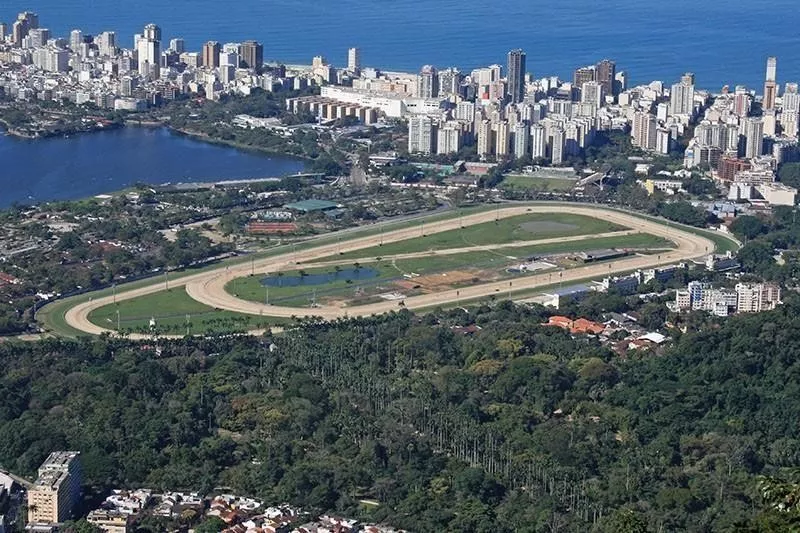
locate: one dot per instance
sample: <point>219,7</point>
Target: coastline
<point>153,124</point>
<point>239,146</point>
<point>22,134</point>
<point>13,132</point>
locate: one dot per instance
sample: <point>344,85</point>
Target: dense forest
<point>514,427</point>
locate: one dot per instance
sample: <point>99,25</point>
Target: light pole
<point>114,289</point>
<point>117,320</point>
<point>266,294</point>
<point>252,265</point>
<point>166,279</point>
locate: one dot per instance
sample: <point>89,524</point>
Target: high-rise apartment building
<point>354,60</point>
<point>644,132</point>
<point>558,140</point>
<point>421,136</point>
<point>502,139</point>
<point>152,32</point>
<point>465,111</point>
<point>485,138</point>
<point>791,98</point>
<point>75,40</point>
<point>449,138</point>
<point>428,82</point>
<point>770,84</point>
<point>51,59</point>
<point>754,135</point>
<point>584,75</point>
<point>177,45</point>
<point>515,86</point>
<point>211,51</point>
<point>620,82</point>
<point>757,297</point>
<point>538,141</point>
<point>741,101</point>
<point>605,74</point>
<point>593,92</point>
<point>38,37</point>
<point>148,51</point>
<point>106,43</point>
<point>57,490</point>
<point>681,96</point>
<point>522,140</point>
<point>252,55</point>
<point>450,81</point>
<point>26,21</point>
<point>790,110</point>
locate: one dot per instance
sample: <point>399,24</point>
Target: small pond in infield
<point>296,280</point>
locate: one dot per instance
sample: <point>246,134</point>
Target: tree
<point>624,521</point>
<point>756,256</point>
<point>748,227</point>
<point>789,174</point>
<point>212,524</point>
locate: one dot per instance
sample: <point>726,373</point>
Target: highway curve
<point>209,287</point>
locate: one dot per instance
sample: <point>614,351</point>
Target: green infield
<point>175,313</point>
<point>526,227</point>
<point>533,183</point>
<point>347,281</point>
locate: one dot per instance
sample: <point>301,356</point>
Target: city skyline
<point>340,55</point>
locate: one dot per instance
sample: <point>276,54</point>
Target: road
<point>209,287</point>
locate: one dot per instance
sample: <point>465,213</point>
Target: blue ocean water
<point>722,42</point>
<point>84,165</point>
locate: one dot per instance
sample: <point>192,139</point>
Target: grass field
<point>52,316</point>
<point>504,231</point>
<point>172,310</point>
<point>250,287</point>
<point>529,183</point>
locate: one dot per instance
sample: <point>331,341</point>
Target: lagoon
<point>33,171</point>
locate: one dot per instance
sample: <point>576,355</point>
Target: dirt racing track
<point>209,287</point>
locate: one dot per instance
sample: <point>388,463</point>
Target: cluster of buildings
<point>743,298</point>
<point>335,524</point>
<point>118,511</point>
<point>511,115</point>
<point>743,138</point>
<point>98,69</point>
<point>627,284</point>
<point>620,332</point>
<point>518,116</point>
<point>55,495</point>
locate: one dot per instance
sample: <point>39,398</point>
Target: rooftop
<point>50,479</point>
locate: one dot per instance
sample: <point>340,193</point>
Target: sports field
<point>416,264</point>
<point>175,313</point>
<point>370,277</point>
<point>526,227</point>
